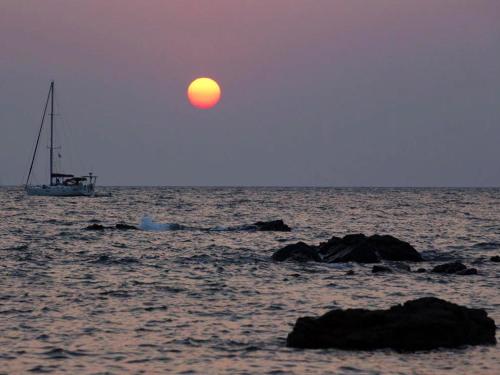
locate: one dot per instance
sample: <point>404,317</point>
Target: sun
<point>203,93</point>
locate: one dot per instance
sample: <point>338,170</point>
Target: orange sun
<point>203,93</point>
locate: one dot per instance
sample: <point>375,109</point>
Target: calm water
<point>192,301</point>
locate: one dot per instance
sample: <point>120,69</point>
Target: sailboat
<point>60,184</point>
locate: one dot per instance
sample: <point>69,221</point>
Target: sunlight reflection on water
<point>194,301</point>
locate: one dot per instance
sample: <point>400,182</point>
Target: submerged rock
<point>300,252</point>
<point>467,271</point>
<point>362,249</point>
<point>495,258</point>
<point>122,226</point>
<point>119,226</point>
<point>452,267</point>
<point>422,324</point>
<point>274,226</point>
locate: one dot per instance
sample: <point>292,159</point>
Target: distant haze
<point>335,93</point>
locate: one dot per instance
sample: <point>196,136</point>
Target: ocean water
<point>178,298</point>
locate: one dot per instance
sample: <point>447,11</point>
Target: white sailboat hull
<point>61,190</point>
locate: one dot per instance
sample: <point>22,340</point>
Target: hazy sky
<point>341,93</point>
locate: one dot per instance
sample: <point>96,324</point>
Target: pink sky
<point>297,75</point>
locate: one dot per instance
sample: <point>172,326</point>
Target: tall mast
<point>38,137</point>
<point>51,131</point>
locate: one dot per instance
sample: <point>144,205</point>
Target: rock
<point>351,248</point>
<point>299,252</point>
<point>452,267</point>
<point>362,249</point>
<point>381,269</point>
<point>495,258</point>
<point>95,227</point>
<point>468,271</point>
<point>274,226</point>
<point>350,273</point>
<point>119,226</point>
<point>421,324</point>
<point>456,268</point>
<point>122,226</point>
<point>421,270</point>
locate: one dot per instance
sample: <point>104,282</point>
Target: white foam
<point>148,224</point>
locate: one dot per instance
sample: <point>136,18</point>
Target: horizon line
<point>292,186</point>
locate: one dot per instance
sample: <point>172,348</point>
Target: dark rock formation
<point>421,270</point>
<point>381,269</point>
<point>119,226</point>
<point>350,273</point>
<point>95,227</point>
<point>467,271</point>
<point>300,252</point>
<point>274,226</point>
<point>455,268</point>
<point>422,324</point>
<point>122,226</point>
<point>495,258</point>
<point>452,267</point>
<point>362,249</point>
<point>353,248</point>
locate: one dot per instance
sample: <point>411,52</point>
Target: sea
<point>194,292</point>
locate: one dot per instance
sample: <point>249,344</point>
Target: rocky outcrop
<point>271,226</point>
<point>456,268</point>
<point>299,252</point>
<point>362,249</point>
<point>422,324</point>
<point>119,226</point>
<point>452,267</point>
<point>122,226</point>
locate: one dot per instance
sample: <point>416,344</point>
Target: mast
<point>51,131</point>
<point>38,137</point>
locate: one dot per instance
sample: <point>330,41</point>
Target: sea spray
<point>148,224</point>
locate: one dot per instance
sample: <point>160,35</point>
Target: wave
<point>148,224</point>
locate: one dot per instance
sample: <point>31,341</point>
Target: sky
<point>314,93</point>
